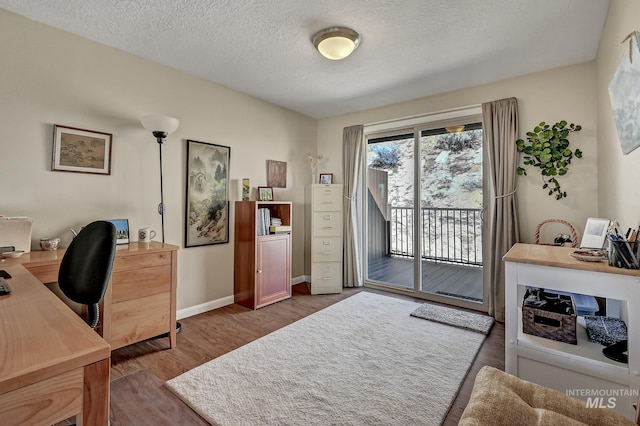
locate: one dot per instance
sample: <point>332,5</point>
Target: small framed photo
<point>81,150</point>
<point>326,178</point>
<point>265,193</point>
<point>122,230</point>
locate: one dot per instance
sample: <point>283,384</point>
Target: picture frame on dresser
<point>265,193</point>
<point>122,230</point>
<point>326,178</point>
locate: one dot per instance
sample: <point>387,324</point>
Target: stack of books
<point>277,227</point>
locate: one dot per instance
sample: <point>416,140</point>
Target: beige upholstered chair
<point>500,399</point>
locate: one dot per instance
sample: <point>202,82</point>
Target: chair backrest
<point>86,267</point>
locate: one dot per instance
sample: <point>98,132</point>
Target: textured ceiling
<point>409,48</point>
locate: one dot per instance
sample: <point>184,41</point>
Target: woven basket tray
<point>558,327</point>
<point>574,235</point>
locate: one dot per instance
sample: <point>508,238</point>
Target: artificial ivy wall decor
<point>547,147</point>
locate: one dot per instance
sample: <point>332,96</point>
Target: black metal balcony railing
<point>448,234</point>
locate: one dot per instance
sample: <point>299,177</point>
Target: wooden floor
<point>214,333</point>
<point>443,278</point>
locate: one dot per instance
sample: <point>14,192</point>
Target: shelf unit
<point>262,263</point>
<point>579,370</point>
<point>326,239</point>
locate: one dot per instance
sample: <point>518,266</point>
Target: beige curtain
<point>500,132</point>
<point>353,142</point>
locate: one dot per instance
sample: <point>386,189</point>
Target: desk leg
<point>95,401</point>
<point>174,285</point>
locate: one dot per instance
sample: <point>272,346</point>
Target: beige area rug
<point>362,361</point>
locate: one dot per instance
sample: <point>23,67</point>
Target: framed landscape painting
<point>207,204</point>
<point>81,150</point>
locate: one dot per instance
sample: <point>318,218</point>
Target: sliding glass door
<point>424,204</point>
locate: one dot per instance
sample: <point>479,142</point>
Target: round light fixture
<point>454,129</point>
<point>336,43</point>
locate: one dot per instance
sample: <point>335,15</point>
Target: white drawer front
<point>327,224</point>
<point>326,274</point>
<point>327,199</point>
<point>325,249</point>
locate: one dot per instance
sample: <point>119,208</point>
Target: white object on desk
<point>595,232</point>
<point>16,232</point>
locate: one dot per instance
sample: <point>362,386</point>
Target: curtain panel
<point>500,132</point>
<point>353,141</point>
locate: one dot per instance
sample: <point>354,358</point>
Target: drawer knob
<point>327,252</point>
<point>259,271</point>
<point>327,217</point>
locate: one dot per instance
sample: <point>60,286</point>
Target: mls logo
<point>601,402</point>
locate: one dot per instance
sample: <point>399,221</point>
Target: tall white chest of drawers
<point>326,239</point>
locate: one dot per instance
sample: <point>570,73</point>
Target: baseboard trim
<point>224,301</point>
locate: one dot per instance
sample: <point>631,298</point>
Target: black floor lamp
<point>161,127</point>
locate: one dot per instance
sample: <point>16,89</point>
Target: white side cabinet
<point>326,239</point>
<point>581,370</point>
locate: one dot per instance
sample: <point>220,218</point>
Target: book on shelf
<point>264,219</point>
<point>281,229</point>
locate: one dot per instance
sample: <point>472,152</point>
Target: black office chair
<point>86,267</point>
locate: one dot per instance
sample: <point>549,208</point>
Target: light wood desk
<point>52,365</point>
<point>140,301</point>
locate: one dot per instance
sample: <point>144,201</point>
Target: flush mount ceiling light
<point>454,129</point>
<point>336,42</point>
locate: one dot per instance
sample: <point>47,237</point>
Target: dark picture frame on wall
<point>81,150</point>
<point>276,174</point>
<point>207,194</point>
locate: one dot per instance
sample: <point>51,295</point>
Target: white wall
<point>51,77</point>
<point>618,174</point>
<point>561,94</point>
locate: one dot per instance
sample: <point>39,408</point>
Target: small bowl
<point>12,254</point>
<point>49,244</point>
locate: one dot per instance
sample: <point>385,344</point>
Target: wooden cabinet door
<point>273,274</point>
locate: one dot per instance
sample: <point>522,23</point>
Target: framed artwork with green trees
<point>207,205</point>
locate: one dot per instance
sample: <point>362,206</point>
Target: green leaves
<point>547,147</point>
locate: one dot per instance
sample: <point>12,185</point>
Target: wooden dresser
<point>140,302</point>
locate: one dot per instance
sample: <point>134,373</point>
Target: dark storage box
<point>540,322</point>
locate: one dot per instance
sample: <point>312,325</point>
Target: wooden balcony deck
<point>460,281</point>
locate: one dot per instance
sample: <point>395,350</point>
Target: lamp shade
<point>336,43</point>
<point>159,123</point>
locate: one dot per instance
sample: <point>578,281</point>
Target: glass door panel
<point>389,209</point>
<point>450,212</point>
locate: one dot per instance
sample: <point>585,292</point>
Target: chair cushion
<point>500,399</point>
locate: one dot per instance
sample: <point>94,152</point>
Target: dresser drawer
<point>325,249</point>
<point>327,198</point>
<point>126,263</point>
<point>327,224</point>
<point>139,319</point>
<point>132,284</point>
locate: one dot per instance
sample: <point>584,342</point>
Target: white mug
<point>145,235</point>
